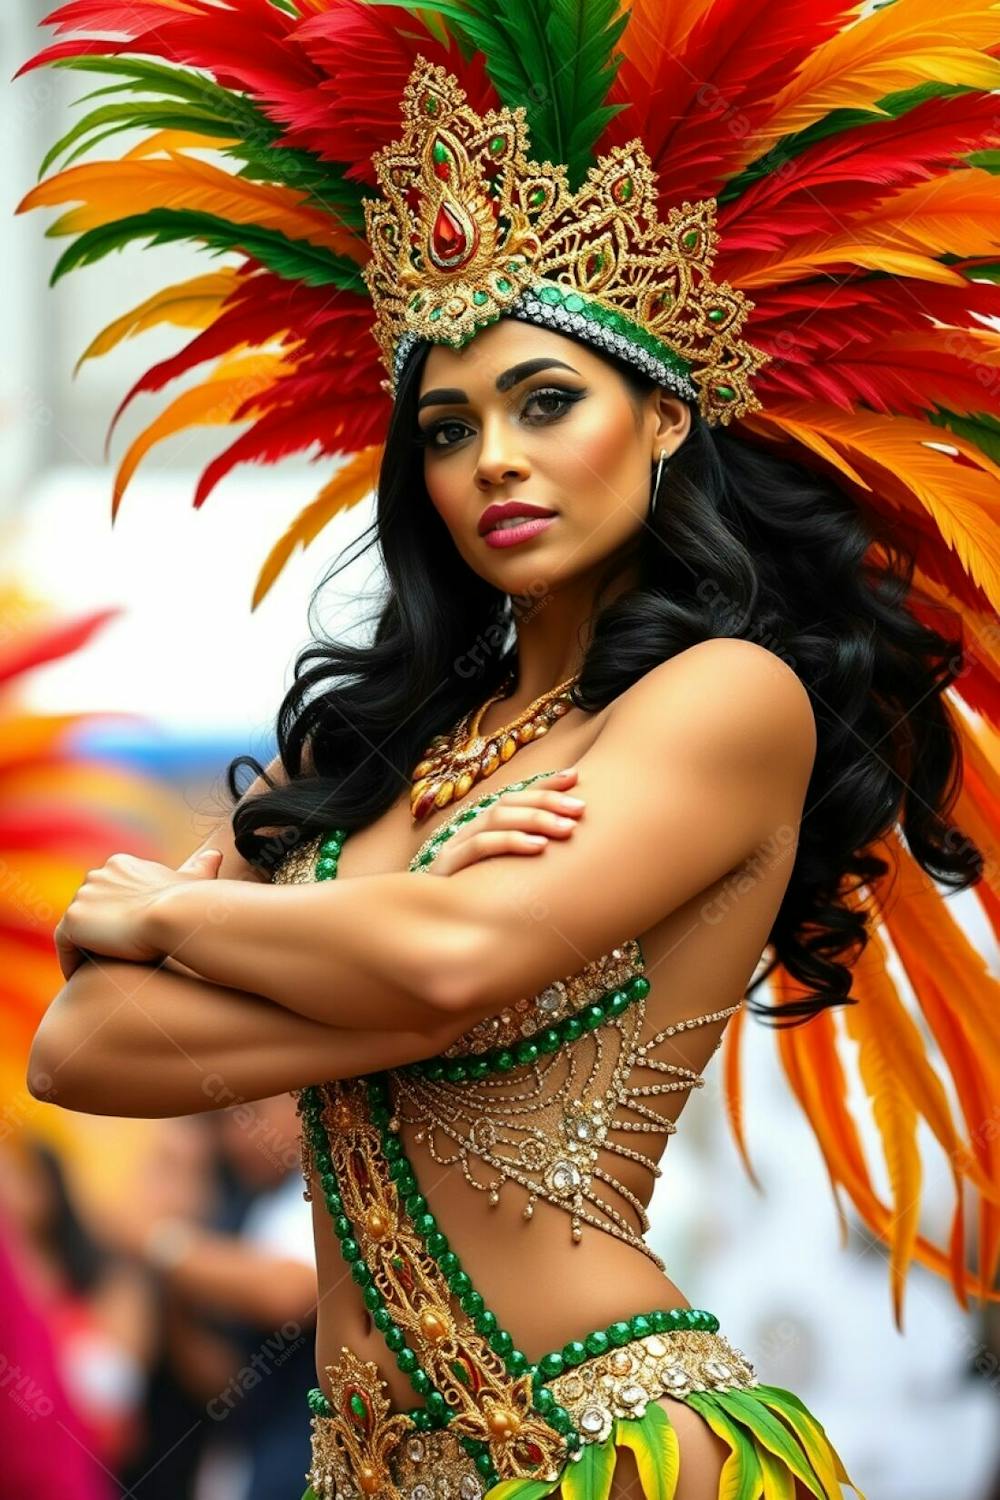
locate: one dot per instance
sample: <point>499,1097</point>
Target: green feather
<point>310,1494</point>
<point>589,1477</point>
<point>766,1428</point>
<point>741,1478</point>
<point>653,1441</point>
<point>322,182</point>
<point>521,1489</point>
<point>297,259</point>
<point>554,57</point>
<point>982,429</point>
<point>835,123</point>
<point>133,115</point>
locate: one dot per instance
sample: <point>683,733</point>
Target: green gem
<point>406,1360</point>
<point>479,1068</point>
<point>480,297</point>
<point>544,1401</point>
<point>437,1243</point>
<point>448,1262</point>
<point>619,1334</point>
<point>574,1353</point>
<point>440,152</point>
<point>435,313</point>
<point>560,1419</point>
<point>484,1464</point>
<point>436,1403</point>
<point>551,1365</point>
<point>638,986</point>
<point>716,315</point>
<point>497,143</point>
<point>725,393</point>
<point>360,1273</point>
<point>430,104</point>
<point>660,1321</point>
<point>526,1051</point>
<point>502,284</point>
<point>550,294</point>
<point>572,1029</point>
<point>359,1408</point>
<point>501,1342</point>
<point>504,1060</point>
<point>472,1303</point>
<point>573,302</point>
<point>597,1342</point>
<point>641,1326</point>
<point>459,1371</point>
<point>619,1002</point>
<point>592,1017</point>
<point>395,1337</point>
<point>350,1249</point>
<point>425,1223</point>
<point>486,1322</point>
<point>690,239</point>
<point>421,1382</point>
<point>517,1362</point>
<point>455,1071</point>
<point>548,1040</point>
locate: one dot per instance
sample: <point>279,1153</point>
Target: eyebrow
<point>513,376</point>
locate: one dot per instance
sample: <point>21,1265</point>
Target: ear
<point>671,422</point>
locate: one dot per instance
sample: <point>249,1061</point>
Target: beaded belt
<point>613,1373</point>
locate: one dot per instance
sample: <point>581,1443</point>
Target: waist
<point>508,1417</point>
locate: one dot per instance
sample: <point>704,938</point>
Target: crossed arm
<point>691,771</point>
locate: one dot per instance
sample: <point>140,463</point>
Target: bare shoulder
<point>729,694</point>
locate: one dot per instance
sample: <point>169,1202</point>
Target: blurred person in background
<point>218,1220</point>
<point>95,1308</point>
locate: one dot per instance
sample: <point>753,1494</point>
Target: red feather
<point>833,179</point>
<point>708,94</point>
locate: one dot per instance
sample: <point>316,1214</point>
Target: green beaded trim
<point>557,296</point>
<point>616,1335</point>
<point>472,1065</point>
<point>435,1412</point>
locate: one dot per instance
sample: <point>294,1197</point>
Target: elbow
<point>452,977</point>
<point>62,1067</point>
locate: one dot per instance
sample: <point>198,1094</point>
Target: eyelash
<point>425,436</point>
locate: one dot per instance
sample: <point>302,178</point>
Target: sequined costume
<point>526,1097</point>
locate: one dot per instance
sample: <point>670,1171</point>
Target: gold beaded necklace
<point>454,762</point>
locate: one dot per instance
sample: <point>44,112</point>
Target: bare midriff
<point>544,1288</point>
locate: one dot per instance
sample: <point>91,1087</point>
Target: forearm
<point>135,1040</point>
<point>376,951</point>
<point>220,1274</point>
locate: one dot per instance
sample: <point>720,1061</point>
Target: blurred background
<point>131,670</point>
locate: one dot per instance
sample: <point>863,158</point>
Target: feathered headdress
<point>818,177</point>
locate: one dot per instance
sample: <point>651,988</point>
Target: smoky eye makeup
<point>562,397</point>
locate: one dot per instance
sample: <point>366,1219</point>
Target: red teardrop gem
<point>448,237</point>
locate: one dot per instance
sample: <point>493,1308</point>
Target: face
<point>525,414</point>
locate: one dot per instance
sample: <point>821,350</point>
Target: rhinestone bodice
<point>541,1094</point>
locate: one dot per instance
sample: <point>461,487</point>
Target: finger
<point>486,845</point>
<point>530,817</point>
<point>202,862</point>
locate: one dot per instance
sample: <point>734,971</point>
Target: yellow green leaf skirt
<point>611,1399</point>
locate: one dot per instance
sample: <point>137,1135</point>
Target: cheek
<point>603,470</point>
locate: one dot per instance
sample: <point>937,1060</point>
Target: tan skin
<point>592,467</point>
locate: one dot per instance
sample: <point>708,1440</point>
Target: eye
<point>427,437</point>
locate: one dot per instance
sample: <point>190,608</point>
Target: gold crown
<point>468,229</point>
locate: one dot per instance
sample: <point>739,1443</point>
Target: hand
<point>105,917</point>
<point>520,823</point>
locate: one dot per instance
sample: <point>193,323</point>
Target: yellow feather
<point>900,232</point>
<point>349,485</point>
<point>891,48</point>
<point>210,404</point>
<point>189,304</point>
<point>178,140</point>
<point>880,1026</point>
<point>112,190</point>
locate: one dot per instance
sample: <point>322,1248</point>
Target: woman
<point>717,645</point>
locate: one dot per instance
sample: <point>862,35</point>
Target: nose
<point>500,456</point>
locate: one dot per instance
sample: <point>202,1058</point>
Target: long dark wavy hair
<point>742,543</point>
